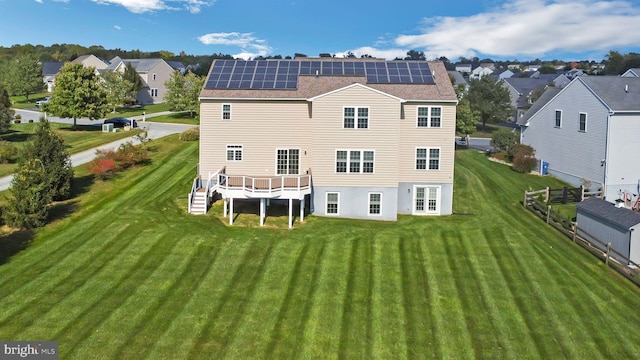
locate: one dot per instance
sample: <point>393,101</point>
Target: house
<point>91,61</point>
<point>483,69</point>
<point>49,71</point>
<point>606,223</point>
<point>586,134</point>
<point>463,68</point>
<point>458,80</point>
<point>154,74</point>
<point>523,93</point>
<point>353,138</point>
<point>633,72</point>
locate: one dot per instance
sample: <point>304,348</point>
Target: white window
<point>226,111</point>
<point>333,203</point>
<point>558,119</point>
<point>154,92</point>
<point>154,76</point>
<point>355,117</point>
<point>429,116</point>
<point>287,161</point>
<point>582,126</point>
<point>234,152</point>
<point>427,158</point>
<point>426,200</point>
<point>355,161</point>
<point>375,203</point>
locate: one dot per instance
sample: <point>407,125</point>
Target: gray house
<point>587,134</point>
<point>633,72</point>
<point>154,74</point>
<point>608,223</point>
<point>521,91</point>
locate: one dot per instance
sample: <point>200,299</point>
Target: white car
<point>44,101</point>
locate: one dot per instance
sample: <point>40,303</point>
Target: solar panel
<point>283,74</point>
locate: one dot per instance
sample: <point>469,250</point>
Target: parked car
<point>119,122</point>
<point>42,102</point>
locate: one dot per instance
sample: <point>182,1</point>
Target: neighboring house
<point>177,65</point>
<point>603,221</point>
<point>153,72</point>
<point>574,73</point>
<point>49,71</point>
<point>463,68</point>
<point>458,79</point>
<point>521,93</point>
<point>91,61</point>
<point>587,133</point>
<point>502,74</point>
<point>633,72</point>
<point>482,70</point>
<point>353,138</point>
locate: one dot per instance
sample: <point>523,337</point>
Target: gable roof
<point>310,86</point>
<point>51,67</point>
<point>358,85</point>
<point>617,93</point>
<point>621,217</point>
<point>546,96</point>
<point>458,78</point>
<point>633,72</point>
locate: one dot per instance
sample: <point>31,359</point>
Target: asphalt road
<point>155,130</point>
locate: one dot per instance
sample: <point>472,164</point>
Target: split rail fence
<point>538,202</point>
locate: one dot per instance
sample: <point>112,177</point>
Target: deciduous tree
<point>133,77</point>
<point>78,94</point>
<point>490,100</point>
<point>118,89</point>
<point>183,91</point>
<point>23,75</point>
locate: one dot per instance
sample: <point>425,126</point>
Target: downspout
<point>606,155</point>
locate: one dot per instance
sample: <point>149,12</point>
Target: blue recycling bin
<point>545,167</point>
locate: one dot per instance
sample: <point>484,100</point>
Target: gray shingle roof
<point>51,68</point>
<point>618,93</point>
<point>621,217</point>
<point>542,101</point>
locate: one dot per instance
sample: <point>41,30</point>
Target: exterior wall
<point>382,136</point>
<point>93,61</point>
<point>634,247</point>
<point>623,170</point>
<point>605,232</point>
<point>261,127</point>
<point>571,154</point>
<point>163,73</point>
<point>406,197</point>
<point>354,202</point>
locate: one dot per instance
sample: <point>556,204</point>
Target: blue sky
<point>509,29</point>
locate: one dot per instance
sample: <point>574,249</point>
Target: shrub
<point>516,149</point>
<point>18,117</point>
<point>16,121</point>
<point>108,162</point>
<point>502,139</point>
<point>8,152</point>
<point>28,205</point>
<point>191,134</point>
<point>102,168</point>
<point>523,163</point>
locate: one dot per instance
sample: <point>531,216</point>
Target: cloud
<point>250,46</point>
<point>376,53</point>
<point>142,6</point>
<point>530,28</point>
<point>39,1</point>
<point>117,27</point>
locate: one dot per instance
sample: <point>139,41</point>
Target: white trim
<point>426,211</point>
<point>355,117</point>
<point>429,116</point>
<point>312,99</point>
<point>586,121</point>
<point>555,122</point>
<point>222,113</point>
<point>362,151</point>
<point>415,160</point>
<point>288,149</point>
<point>234,148</point>
<point>369,203</point>
<point>326,203</point>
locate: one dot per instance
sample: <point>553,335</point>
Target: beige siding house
<point>355,138</point>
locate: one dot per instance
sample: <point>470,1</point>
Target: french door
<point>426,200</point>
<point>287,161</point>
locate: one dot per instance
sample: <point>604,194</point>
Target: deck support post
<point>268,202</point>
<point>302,209</point>
<point>290,213</point>
<point>231,211</point>
<point>224,207</point>
<point>262,206</point>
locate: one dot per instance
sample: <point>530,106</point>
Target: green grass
<point>125,273</point>
<point>176,118</point>
<point>84,137</point>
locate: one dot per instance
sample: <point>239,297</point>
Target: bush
<point>191,134</point>
<point>18,117</point>
<point>108,162</point>
<point>524,150</point>
<point>102,168</point>
<point>502,139</point>
<point>523,163</point>
<point>16,121</point>
<point>8,152</point>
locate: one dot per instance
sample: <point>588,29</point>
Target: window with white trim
<point>154,92</point>
<point>558,119</point>
<point>582,125</point>
<point>429,116</point>
<point>355,161</point>
<point>154,76</point>
<point>426,200</point>
<point>427,158</point>
<point>333,203</point>
<point>287,161</point>
<point>234,152</point>
<point>355,117</point>
<point>226,111</point>
<point>375,203</point>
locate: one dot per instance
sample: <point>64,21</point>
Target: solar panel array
<point>283,74</point>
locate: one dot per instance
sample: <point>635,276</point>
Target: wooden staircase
<point>199,202</point>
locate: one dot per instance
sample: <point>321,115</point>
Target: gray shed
<point>607,223</point>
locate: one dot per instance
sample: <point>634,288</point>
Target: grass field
<point>84,137</point>
<point>124,273</point>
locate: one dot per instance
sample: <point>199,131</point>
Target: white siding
<point>623,167</point>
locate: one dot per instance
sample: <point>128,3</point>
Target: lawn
<point>84,137</point>
<point>125,273</point>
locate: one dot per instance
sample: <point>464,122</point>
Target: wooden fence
<point>595,246</point>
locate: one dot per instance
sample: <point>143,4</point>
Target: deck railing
<point>253,186</point>
<point>197,184</point>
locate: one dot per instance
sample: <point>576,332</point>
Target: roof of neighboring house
<point>546,96</point>
<point>621,217</point>
<point>309,86</point>
<point>633,72</point>
<point>618,93</point>
<point>458,78</point>
<point>177,65</point>
<point>82,58</point>
<point>51,67</point>
<point>524,86</point>
<point>141,65</point>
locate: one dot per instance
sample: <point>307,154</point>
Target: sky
<point>501,30</point>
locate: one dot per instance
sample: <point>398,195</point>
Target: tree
<point>132,76</point>
<point>29,200</point>
<point>118,89</point>
<point>503,139</point>
<point>415,55</point>
<point>48,148</point>
<point>466,119</point>
<point>6,114</point>
<point>490,100</point>
<point>183,91</point>
<point>78,94</point>
<point>23,75</point>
